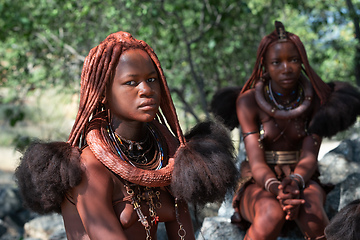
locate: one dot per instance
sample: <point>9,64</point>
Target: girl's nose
<point>145,89</point>
<point>287,67</point>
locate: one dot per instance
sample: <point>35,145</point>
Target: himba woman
<point>127,165</point>
<point>284,110</point>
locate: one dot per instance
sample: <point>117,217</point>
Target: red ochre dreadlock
<point>98,71</point>
<point>322,90</point>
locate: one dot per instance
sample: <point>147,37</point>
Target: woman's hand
<point>289,198</point>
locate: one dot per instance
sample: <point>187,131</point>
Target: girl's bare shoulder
<point>91,164</point>
<point>247,99</point>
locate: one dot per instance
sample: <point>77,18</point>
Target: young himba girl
<point>284,110</point>
<point>126,175</point>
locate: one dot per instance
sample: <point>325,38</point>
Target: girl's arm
<point>93,200</point>
<point>248,115</point>
<point>307,165</point>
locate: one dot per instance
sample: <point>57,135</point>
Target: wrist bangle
<point>299,179</point>
<point>269,182</point>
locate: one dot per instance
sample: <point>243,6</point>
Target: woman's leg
<point>312,218</point>
<point>263,210</point>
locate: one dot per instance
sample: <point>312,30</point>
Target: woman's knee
<point>271,212</point>
<point>268,222</point>
<point>312,216</point>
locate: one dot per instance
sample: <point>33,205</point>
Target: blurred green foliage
<point>203,45</point>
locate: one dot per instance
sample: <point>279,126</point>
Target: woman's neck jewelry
<point>152,197</point>
<point>139,158</point>
<point>275,112</point>
<point>137,154</point>
<point>281,95</point>
<point>289,105</point>
<point>134,143</point>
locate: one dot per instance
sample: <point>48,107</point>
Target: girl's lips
<point>148,105</point>
<point>289,80</point>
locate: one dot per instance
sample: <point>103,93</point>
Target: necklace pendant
<point>144,160</point>
<point>154,220</point>
<point>131,146</point>
<point>139,147</point>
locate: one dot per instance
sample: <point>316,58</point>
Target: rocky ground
<point>339,166</point>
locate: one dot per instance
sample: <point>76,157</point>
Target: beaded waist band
<point>282,157</point>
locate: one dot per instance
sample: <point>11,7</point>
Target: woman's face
<point>283,64</point>
<point>134,94</point>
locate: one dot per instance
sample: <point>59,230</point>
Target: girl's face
<point>134,94</point>
<point>283,64</point>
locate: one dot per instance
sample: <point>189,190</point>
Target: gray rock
<point>335,168</point>
<point>226,210</point>
<point>9,200</point>
<point>44,227</point>
<point>349,190</point>
<point>215,228</point>
<point>161,232</point>
<point>9,229</point>
<point>332,202</point>
<point>59,234</point>
<point>7,178</point>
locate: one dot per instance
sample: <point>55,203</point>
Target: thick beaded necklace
<point>127,153</point>
<point>289,106</point>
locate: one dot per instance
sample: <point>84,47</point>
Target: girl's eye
<point>295,60</point>
<point>274,62</point>
<point>131,83</point>
<point>151,80</point>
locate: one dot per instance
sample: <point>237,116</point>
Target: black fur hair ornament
<point>204,169</point>
<point>46,172</point>
<point>339,112</point>
<point>223,106</point>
